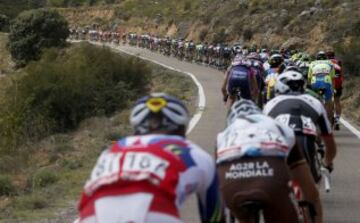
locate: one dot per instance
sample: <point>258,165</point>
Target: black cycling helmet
<point>276,60</point>
<point>321,55</point>
<point>290,82</point>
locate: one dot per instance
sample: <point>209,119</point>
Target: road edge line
<point>352,129</point>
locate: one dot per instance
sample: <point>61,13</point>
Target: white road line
<point>201,94</point>
<point>350,127</point>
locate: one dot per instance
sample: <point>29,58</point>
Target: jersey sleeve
<point>208,193</point>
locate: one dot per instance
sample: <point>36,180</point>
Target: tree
<point>34,30</point>
<point>4,22</point>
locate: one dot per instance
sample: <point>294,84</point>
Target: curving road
<point>342,204</point>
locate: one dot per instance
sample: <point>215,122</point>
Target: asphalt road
<point>342,204</point>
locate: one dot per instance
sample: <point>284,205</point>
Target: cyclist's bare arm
<point>331,150</point>
<point>300,172</point>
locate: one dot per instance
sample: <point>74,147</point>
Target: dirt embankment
<point>304,24</point>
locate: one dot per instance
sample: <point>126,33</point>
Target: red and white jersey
<point>150,174</point>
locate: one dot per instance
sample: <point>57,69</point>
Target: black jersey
<point>301,112</point>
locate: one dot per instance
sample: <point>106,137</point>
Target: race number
<point>143,164</point>
<point>106,171</point>
<point>135,166</point>
<point>106,166</point>
<point>284,119</point>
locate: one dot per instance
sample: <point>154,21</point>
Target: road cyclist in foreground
<point>257,157</point>
<point>305,115</point>
<point>145,178</point>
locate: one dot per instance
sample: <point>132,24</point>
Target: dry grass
<point>351,99</point>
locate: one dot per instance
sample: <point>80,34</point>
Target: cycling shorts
<point>239,80</point>
<point>261,179</point>
<point>338,92</point>
<point>320,82</point>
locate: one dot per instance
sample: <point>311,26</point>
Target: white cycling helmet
<point>240,109</point>
<point>289,81</point>
<point>159,111</point>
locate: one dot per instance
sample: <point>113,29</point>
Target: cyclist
<point>303,63</point>
<point>304,113</point>
<point>240,79</point>
<point>337,81</point>
<point>276,63</point>
<point>148,176</point>
<point>320,76</point>
<point>256,159</point>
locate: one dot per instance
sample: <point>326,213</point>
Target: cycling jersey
<point>255,136</point>
<point>239,78</point>
<point>308,107</point>
<point>150,175</point>
<point>320,77</point>
<point>251,154</point>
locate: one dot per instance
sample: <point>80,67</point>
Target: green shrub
<point>42,178</point>
<point>34,30</point>
<point>6,186</point>
<point>4,22</point>
<point>66,87</point>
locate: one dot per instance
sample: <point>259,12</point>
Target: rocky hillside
<point>290,23</point>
